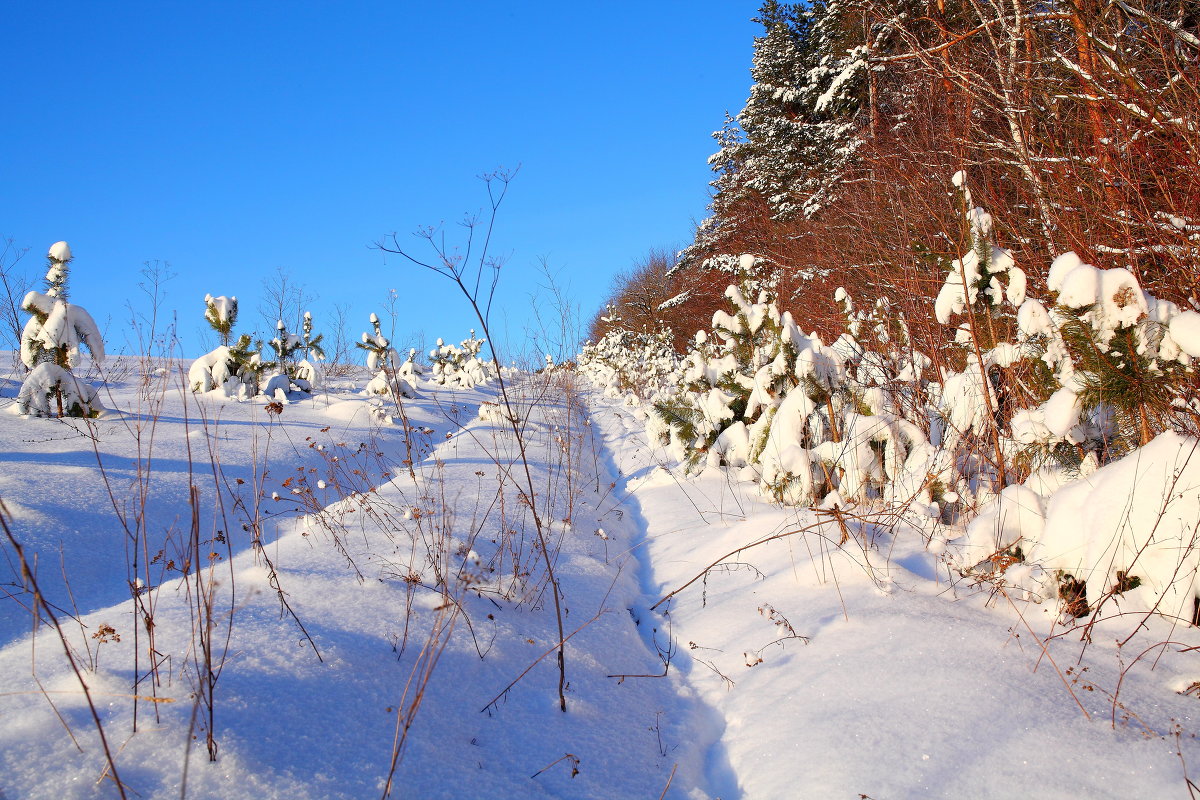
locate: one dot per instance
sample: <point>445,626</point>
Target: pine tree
<point>380,353</point>
<point>286,345</point>
<point>734,377</point>
<point>979,282</point>
<point>246,357</point>
<point>1115,369</point>
<point>459,365</point>
<point>810,107</point>
<point>221,313</point>
<point>311,345</point>
<point>393,378</point>
<point>50,346</point>
<point>731,195</point>
<point>305,375</point>
<point>755,163</point>
<point>773,118</point>
<point>235,367</point>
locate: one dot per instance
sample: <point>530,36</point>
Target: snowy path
<point>898,689</point>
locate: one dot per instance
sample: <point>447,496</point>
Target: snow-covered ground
<point>354,619</point>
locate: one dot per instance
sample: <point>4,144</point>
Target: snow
<point>222,306</point>
<point>59,251</point>
<point>44,304</point>
<point>1062,412</point>
<point>290,724</point>
<point>1060,268</point>
<point>1110,299</point>
<point>831,657</point>
<point>1185,330</point>
<point>1136,516</point>
<point>1017,515</point>
<point>66,325</point>
<point>50,390</point>
<point>1014,293</point>
<point>907,682</point>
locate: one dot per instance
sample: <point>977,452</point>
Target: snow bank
<point>1138,518</point>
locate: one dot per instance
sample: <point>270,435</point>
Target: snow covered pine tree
<point>234,368</point>
<point>50,347</point>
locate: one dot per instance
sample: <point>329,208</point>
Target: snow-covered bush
<point>844,429</point>
<point>1111,359</point>
<point>736,376</point>
<point>983,288</point>
<point>285,344</point>
<point>1127,534</point>
<point>50,345</point>
<point>642,365</point>
<point>761,396</point>
<point>236,370</point>
<point>1052,434</point>
<point>282,372</point>
<point>877,347</point>
<point>459,366</point>
<point>306,374</point>
<point>393,378</point>
<point>981,280</point>
<point>233,367</point>
<point>1106,510</point>
<point>868,419</point>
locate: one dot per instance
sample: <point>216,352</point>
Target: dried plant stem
<point>27,575</point>
<point>414,688</point>
<point>454,266</point>
<point>670,778</point>
<point>756,543</point>
<point>1045,648</point>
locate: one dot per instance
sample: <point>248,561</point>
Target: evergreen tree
<point>286,345</point>
<point>734,377</point>
<point>245,356</point>
<point>311,345</point>
<point>830,100</point>
<point>235,367</point>
<point>754,166</point>
<point>221,313</point>
<point>50,346</point>
<point>305,375</point>
<point>380,353</point>
<point>804,118</point>
<point>773,118</point>
<point>393,378</point>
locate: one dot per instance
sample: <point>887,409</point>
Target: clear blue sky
<point>232,139</point>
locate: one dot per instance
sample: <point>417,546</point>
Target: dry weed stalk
<point>458,267</point>
<point>418,680</point>
<point>40,607</point>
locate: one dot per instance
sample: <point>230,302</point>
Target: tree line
<point>1075,121</point>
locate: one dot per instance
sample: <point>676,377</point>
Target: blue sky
<point>234,139</point>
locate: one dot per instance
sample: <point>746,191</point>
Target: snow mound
<point>356,411</point>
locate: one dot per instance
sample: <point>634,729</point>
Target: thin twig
<point>27,575</point>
